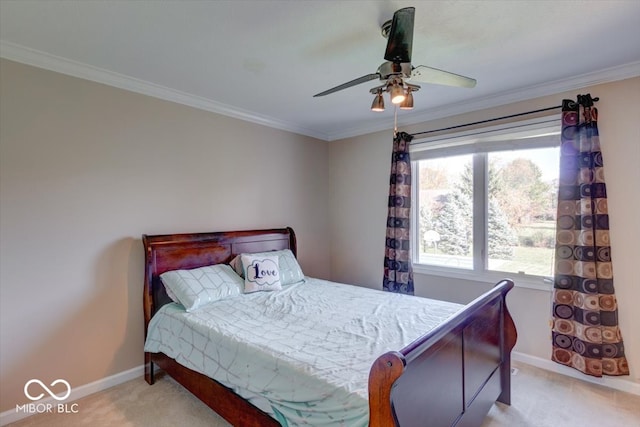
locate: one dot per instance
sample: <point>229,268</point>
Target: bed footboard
<point>452,375</point>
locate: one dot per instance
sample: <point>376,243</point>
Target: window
<point>485,203</point>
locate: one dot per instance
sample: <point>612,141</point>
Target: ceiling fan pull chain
<point>395,120</point>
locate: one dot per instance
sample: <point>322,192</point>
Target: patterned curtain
<point>585,333</point>
<point>398,274</point>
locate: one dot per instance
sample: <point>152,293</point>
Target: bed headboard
<point>184,251</point>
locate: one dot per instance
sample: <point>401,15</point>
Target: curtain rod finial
<point>586,100</point>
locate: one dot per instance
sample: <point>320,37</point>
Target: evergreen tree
<point>451,221</point>
<point>501,236</point>
<point>495,184</point>
<point>465,185</point>
<point>425,225</point>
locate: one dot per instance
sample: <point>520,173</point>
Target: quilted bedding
<point>302,354</point>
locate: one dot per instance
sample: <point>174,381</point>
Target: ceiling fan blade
<point>425,74</point>
<point>400,40</point>
<point>354,82</point>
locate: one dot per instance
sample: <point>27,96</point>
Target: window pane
<point>445,195</point>
<point>522,210</point>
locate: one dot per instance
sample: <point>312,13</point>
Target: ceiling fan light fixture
<point>407,104</point>
<point>378,102</point>
<point>397,93</point>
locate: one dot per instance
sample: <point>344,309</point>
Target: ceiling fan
<point>397,69</point>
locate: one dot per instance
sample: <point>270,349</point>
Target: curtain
<point>585,332</point>
<point>398,274</point>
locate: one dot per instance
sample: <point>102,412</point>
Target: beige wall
<point>86,169</point>
<point>358,181</point>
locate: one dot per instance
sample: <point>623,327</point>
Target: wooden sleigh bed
<point>451,376</point>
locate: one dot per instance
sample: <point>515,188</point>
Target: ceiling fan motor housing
<point>389,69</point>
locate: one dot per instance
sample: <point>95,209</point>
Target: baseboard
<point>13,415</point>
<point>617,383</point>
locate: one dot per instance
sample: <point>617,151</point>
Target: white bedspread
<point>306,349</point>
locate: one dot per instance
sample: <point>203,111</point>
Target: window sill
<point>520,280</point>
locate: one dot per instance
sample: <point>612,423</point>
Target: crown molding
<point>607,75</point>
<point>36,58</point>
<point>58,64</point>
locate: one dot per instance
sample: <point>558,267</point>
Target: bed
<point>449,376</point>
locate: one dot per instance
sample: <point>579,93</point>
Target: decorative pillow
<point>261,273</point>
<point>200,286</point>
<point>290,271</point>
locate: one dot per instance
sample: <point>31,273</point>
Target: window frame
<point>479,142</point>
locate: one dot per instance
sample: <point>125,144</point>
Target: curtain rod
<point>489,120</point>
<point>584,100</point>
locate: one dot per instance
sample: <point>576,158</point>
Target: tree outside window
<point>517,203</point>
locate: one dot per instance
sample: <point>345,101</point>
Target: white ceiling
<point>263,61</point>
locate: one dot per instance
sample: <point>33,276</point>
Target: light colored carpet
<point>539,399</point>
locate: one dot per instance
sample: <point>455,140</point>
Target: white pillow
<point>200,286</point>
<point>261,273</point>
<point>290,271</point>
